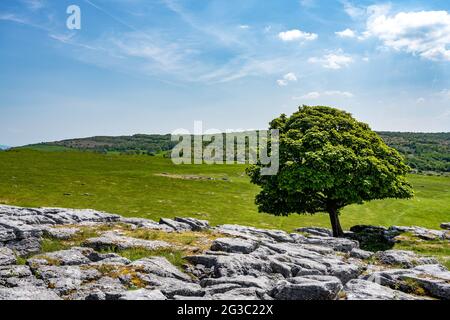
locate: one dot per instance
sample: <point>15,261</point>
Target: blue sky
<point>153,66</point>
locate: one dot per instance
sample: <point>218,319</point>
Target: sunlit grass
<point>131,186</point>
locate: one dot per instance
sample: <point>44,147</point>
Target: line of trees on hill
<point>423,151</point>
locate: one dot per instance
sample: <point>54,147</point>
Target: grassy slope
<point>128,185</point>
<point>423,151</point>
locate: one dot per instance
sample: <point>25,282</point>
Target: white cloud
<point>289,77</point>
<point>366,59</point>
<point>344,94</point>
<point>314,95</point>
<point>310,96</point>
<point>336,60</point>
<point>351,34</point>
<point>420,100</point>
<point>347,33</point>
<point>244,26</point>
<point>295,34</point>
<point>423,33</point>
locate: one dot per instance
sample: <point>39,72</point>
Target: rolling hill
<point>424,152</point>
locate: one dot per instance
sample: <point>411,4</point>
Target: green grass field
<point>152,187</point>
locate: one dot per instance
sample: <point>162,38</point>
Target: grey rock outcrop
<point>146,224</point>
<point>22,228</point>
<point>161,267</point>
<point>242,281</point>
<point>404,258</point>
<point>308,288</point>
<point>386,237</point>
<point>66,279</point>
<point>50,216</point>
<point>316,231</point>
<point>105,288</point>
<point>28,293</point>
<point>6,234</point>
<point>433,280</point>
<point>17,276</point>
<point>360,254</point>
<point>172,287</point>
<point>60,233</point>
<point>195,224</point>
<point>7,257</point>
<point>423,233</point>
<point>249,294</point>
<point>231,262</point>
<point>71,257</point>
<point>175,225</point>
<point>358,289</point>
<point>252,233</point>
<point>234,245</point>
<point>26,246</point>
<point>338,244</point>
<point>143,294</point>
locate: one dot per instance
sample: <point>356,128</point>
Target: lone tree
<point>328,160</point>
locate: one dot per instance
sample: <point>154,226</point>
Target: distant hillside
<point>3,147</point>
<point>423,151</point>
<point>136,144</point>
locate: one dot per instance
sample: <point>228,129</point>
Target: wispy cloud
<point>420,100</point>
<point>34,4</point>
<point>314,95</point>
<point>24,20</point>
<point>445,93</point>
<point>335,60</point>
<point>242,67</point>
<point>218,34</point>
<point>161,55</point>
<point>308,3</point>
<point>353,10</point>
<point>13,18</point>
<point>308,96</point>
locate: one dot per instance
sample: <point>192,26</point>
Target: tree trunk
<point>333,211</point>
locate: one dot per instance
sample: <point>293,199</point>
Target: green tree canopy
<point>328,160</point>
